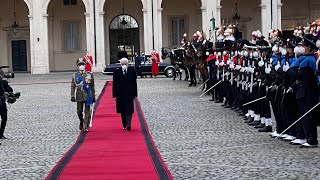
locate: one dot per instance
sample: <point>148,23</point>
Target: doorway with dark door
<point>19,55</point>
<point>123,33</point>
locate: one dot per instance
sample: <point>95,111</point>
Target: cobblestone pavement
<point>197,138</point>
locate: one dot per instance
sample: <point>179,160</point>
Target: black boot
<point>249,120</point>
<point>259,126</point>
<point>81,125</point>
<point>254,123</point>
<point>266,129</point>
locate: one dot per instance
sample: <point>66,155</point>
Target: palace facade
<point>42,36</point>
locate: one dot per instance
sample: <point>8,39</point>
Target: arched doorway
<point>123,33</point>
<point>113,13</point>
<point>15,35</point>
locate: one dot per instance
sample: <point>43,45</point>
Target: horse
<point>177,60</point>
<point>197,60</point>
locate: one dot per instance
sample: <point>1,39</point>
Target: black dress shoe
<point>128,128</point>
<point>211,99</point>
<point>223,105</point>
<point>254,123</point>
<point>2,137</point>
<point>227,106</point>
<point>259,126</point>
<point>80,126</point>
<point>249,120</point>
<point>266,129</point>
<point>233,108</point>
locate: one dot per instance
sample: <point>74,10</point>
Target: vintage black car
<point>164,68</point>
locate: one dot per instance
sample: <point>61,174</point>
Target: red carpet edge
<point>161,170</point>
<point>63,162</point>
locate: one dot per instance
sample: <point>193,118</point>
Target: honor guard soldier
<point>89,62</point>
<point>83,92</point>
<point>306,87</point>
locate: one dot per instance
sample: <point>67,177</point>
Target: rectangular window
<point>177,30</point>
<point>71,36</point>
<point>69,2</point>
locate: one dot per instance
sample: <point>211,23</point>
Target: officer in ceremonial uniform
<point>89,62</point>
<point>83,92</point>
<point>307,95</point>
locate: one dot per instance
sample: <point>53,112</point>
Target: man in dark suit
<point>4,87</point>
<point>122,54</point>
<point>124,91</point>
<point>137,64</point>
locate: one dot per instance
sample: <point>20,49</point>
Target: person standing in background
<point>89,62</point>
<point>122,54</point>
<point>155,57</point>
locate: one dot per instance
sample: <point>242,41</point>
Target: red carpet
<point>108,152</point>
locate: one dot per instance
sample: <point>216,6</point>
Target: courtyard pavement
<point>197,139</point>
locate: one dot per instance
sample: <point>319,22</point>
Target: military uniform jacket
<point>77,89</point>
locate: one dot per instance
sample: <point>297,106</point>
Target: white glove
<point>231,66</point>
<point>217,63</point>
<point>221,63</point>
<point>238,67</point>
<point>286,67</point>
<point>242,69</point>
<point>260,63</point>
<point>267,70</point>
<point>277,66</point>
<point>251,70</point>
<point>290,90</point>
<point>228,62</point>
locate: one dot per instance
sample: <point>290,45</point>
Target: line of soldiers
<point>248,76</point>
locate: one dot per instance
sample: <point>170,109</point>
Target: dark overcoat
<point>125,89</point>
<point>4,87</point>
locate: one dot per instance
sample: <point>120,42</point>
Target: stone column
<point>276,14</point>
<point>146,31</point>
<point>205,20</point>
<point>266,17</point>
<point>218,16</point>
<point>100,40</point>
<point>279,5</point>
<point>157,29</point>
<point>212,11</point>
<point>88,34</point>
<point>32,45</point>
<point>39,41</point>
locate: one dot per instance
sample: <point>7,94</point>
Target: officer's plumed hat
<point>308,40</point>
<point>80,61</point>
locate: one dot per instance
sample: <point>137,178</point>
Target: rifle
<point>91,115</point>
<point>231,61</point>
<point>251,78</point>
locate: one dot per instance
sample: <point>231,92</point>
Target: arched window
<point>123,22</point>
